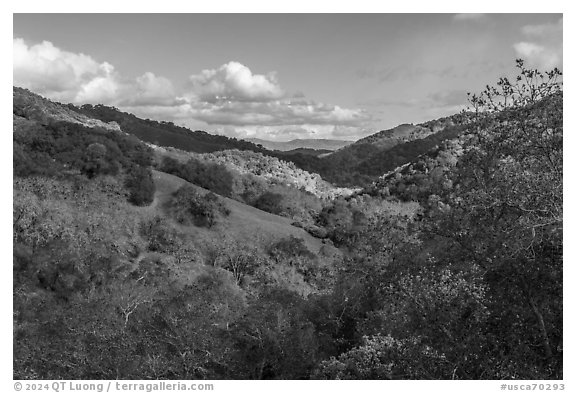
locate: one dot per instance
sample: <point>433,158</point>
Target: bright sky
<point>283,76</point>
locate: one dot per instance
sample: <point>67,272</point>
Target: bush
<point>293,252</point>
<point>291,246</point>
<point>213,177</point>
<point>170,165</point>
<point>188,206</point>
<point>160,235</point>
<point>141,186</point>
<point>269,202</point>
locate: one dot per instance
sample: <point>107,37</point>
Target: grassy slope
<point>244,222</point>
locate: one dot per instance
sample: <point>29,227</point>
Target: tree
<point>188,206</point>
<point>141,186</point>
<point>269,202</point>
<point>506,220</point>
<point>529,87</point>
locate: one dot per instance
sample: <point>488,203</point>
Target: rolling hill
<point>245,223</point>
<point>351,165</point>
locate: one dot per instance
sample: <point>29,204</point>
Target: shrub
<point>160,235</point>
<point>170,165</point>
<point>188,206</point>
<point>213,177</point>
<point>291,246</point>
<point>270,202</point>
<point>141,186</point>
<point>293,252</point>
<point>96,163</point>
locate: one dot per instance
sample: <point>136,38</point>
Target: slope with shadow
<point>245,223</point>
<point>363,162</point>
<point>164,133</point>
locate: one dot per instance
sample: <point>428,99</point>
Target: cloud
<point>543,45</point>
<point>62,75</point>
<point>279,112</point>
<point>78,78</point>
<point>286,133</point>
<point>236,82</point>
<point>468,17</point>
<point>230,97</point>
<point>151,90</point>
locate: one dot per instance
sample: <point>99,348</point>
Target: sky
<point>279,76</point>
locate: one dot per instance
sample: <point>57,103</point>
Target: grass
<point>245,223</point>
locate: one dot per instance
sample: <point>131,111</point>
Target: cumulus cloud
<point>149,90</point>
<point>279,112</point>
<point>62,75</point>
<point>287,133</point>
<point>236,82</point>
<point>543,45</point>
<point>230,97</point>
<point>78,78</point>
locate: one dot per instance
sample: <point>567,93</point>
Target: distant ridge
<point>316,144</point>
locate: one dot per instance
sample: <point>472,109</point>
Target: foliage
<point>239,259</point>
<point>466,286</point>
<point>506,217</point>
<point>384,357</point>
<point>213,177</point>
<point>160,235</point>
<point>269,202</point>
<point>164,133</point>
<point>342,221</point>
<point>62,149</point>
<point>290,247</point>
<point>274,339</point>
<point>141,186</point>
<point>188,206</point>
<point>529,87</point>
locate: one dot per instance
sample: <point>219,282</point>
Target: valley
<point>145,250</point>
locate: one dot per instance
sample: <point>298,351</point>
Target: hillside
<point>164,133</point>
<point>30,106</point>
<point>313,144</point>
<point>270,169</point>
<point>245,223</point>
<point>109,247</point>
<point>277,171</point>
<point>363,162</point>
<point>372,156</point>
<point>388,138</point>
<point>355,164</point>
